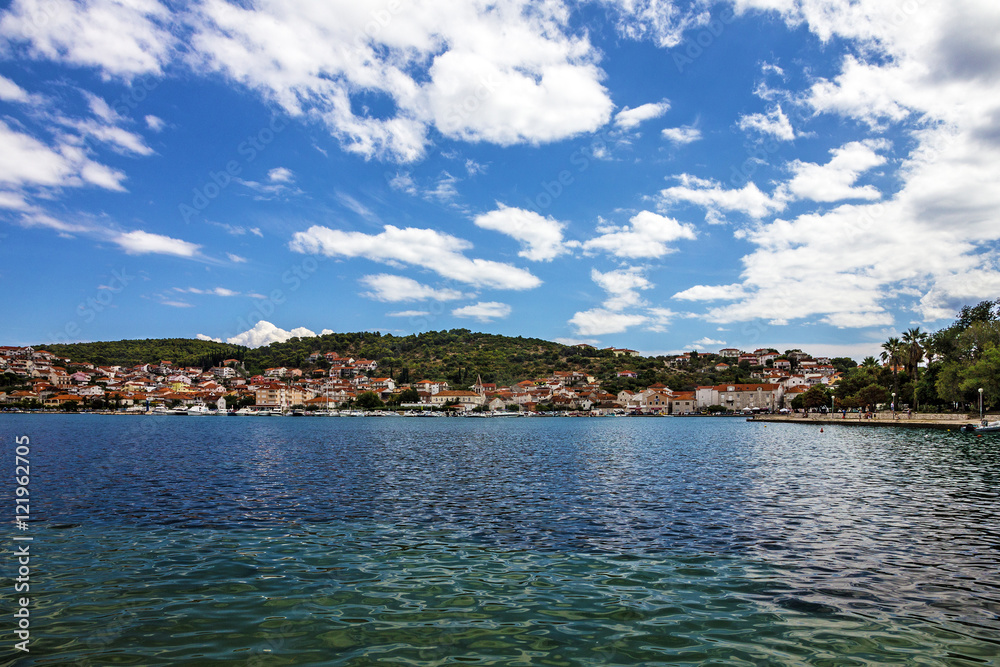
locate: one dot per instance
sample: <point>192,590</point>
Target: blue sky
<point>658,175</point>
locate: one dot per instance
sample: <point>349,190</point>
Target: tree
<point>985,374</point>
<point>871,395</point>
<point>409,395</point>
<point>369,400</point>
<point>913,353</point>
<point>815,397</point>
<point>891,351</point>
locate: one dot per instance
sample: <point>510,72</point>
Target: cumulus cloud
<point>484,311</point>
<point>387,287</point>
<point>505,74</point>
<point>143,243</point>
<point>629,119</point>
<point>648,234</point>
<point>264,333</point>
<point>622,286</point>
<point>774,123</point>
<point>122,39</point>
<point>541,237</point>
<point>835,180</point>
<point>426,248</point>
<point>710,194</point>
<point>280,175</point>
<point>600,321</point>
<point>679,136</point>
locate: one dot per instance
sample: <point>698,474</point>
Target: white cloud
<point>702,343</point>
<point>680,136</point>
<point>932,244</point>
<point>506,74</point>
<point>13,201</point>
<point>354,205</point>
<point>484,311</point>
<point>202,336</point>
<point>647,235</point>
<point>236,259</point>
<point>216,291</point>
<point>709,194</point>
<point>599,322</point>
<point>661,21</point>
<point>142,243</point>
<point>26,161</point>
<point>122,38</point>
<point>409,313</point>
<point>280,175</point>
<point>775,123</point>
<point>835,180</point>
<point>155,123</point>
<point>622,287</point>
<point>264,333</point>
<point>426,248</point>
<point>541,237</point>
<point>711,293</point>
<point>577,341</point>
<point>629,119</point>
<point>11,92</point>
<point>387,287</point>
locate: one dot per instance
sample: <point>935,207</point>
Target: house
<point>465,399</point>
<point>682,402</point>
<point>627,374</point>
<point>736,397</point>
<point>722,366</point>
<point>431,387</point>
<point>622,351</point>
<point>729,353</point>
<point>783,364</point>
<point>277,395</point>
<point>656,402</point>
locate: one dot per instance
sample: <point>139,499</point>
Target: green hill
<point>457,355</point>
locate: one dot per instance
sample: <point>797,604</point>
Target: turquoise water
<point>166,540</point>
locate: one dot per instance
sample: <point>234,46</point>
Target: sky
<point>657,175</point>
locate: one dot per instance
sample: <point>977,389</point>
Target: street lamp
<point>893,406</point>
<point>980,404</point>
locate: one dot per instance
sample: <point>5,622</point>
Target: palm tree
<point>913,353</point>
<point>869,363</point>
<point>891,351</point>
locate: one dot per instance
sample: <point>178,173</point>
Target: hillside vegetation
<point>457,355</point>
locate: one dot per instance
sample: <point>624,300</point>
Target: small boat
<point>983,427</point>
<point>198,410</point>
<point>244,412</point>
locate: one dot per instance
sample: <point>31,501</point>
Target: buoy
<point>821,430</point>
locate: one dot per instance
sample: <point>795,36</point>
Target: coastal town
<point>328,381</point>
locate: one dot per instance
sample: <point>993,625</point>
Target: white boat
<point>198,410</point>
<point>245,412</point>
<point>983,427</point>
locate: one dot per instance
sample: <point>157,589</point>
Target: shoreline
<point>941,422</point>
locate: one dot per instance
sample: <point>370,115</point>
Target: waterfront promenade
<point>950,422</point>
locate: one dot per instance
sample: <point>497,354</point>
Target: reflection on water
<point>562,541</point>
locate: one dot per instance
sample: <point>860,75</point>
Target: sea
<point>515,541</point>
